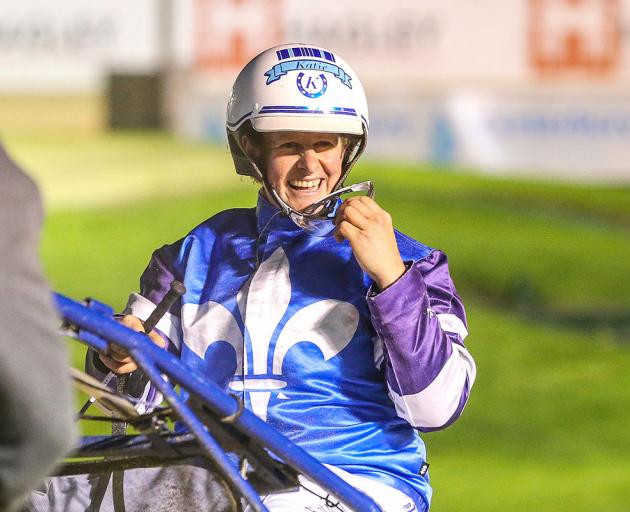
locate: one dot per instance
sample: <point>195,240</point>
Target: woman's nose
<point>309,161</point>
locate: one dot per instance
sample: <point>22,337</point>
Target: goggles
<point>318,218</point>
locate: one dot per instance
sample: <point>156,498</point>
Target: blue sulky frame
<point>204,415</point>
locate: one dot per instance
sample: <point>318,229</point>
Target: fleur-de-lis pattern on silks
<point>329,324</point>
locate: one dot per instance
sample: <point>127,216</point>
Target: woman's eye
<point>323,145</point>
<point>289,146</point>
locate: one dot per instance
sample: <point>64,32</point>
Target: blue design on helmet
<point>312,86</point>
<point>279,70</point>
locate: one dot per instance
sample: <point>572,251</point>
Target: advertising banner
<point>70,46</point>
<point>538,86</point>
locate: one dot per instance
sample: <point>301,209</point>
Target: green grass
<point>560,247</point>
<point>583,202</point>
<point>60,142</point>
<point>104,251</point>
<point>545,429</point>
<point>94,169</point>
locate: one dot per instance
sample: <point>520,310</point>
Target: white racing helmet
<point>297,87</point>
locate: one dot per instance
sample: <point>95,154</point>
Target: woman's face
<point>302,167</point>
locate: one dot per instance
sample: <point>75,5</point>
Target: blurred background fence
<point>520,86</point>
<point>500,133</point>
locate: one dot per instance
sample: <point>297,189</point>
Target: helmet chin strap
<point>297,216</point>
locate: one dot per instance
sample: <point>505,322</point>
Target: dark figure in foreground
<point>35,398</point>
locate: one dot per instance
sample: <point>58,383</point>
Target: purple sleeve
<point>157,277</point>
<point>154,284</point>
<point>421,322</point>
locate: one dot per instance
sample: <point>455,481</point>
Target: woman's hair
<point>256,139</point>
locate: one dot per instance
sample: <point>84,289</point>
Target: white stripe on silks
<point>169,324</point>
<point>386,497</point>
<point>143,406</point>
<point>434,405</point>
<point>452,323</point>
<point>379,355</point>
<point>311,496</point>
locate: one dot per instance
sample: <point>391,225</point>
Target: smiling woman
<point>299,135</point>
<point>347,342</point>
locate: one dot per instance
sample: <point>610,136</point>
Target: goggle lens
<point>319,217</point>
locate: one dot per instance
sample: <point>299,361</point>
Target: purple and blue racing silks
<point>290,322</point>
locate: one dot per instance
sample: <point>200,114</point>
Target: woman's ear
<point>251,150</point>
